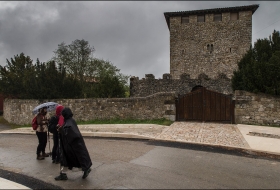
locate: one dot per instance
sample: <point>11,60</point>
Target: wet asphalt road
<point>25,180</point>
<point>4,127</point>
<point>133,164</point>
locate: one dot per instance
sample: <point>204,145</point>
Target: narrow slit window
<point>234,16</point>
<point>217,17</point>
<point>185,19</point>
<point>200,18</point>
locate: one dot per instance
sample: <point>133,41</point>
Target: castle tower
<point>209,41</point>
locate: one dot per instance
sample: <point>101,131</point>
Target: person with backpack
<point>52,127</point>
<point>41,132</point>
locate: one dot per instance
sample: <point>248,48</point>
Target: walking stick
<point>60,154</point>
<point>49,143</point>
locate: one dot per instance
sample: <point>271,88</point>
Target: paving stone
<point>210,133</point>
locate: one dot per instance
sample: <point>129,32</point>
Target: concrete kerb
<point>90,134</point>
<point>245,151</point>
<point>115,135</point>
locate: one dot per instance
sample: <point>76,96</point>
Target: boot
<point>86,173</point>
<point>39,157</point>
<point>62,176</point>
<point>45,154</point>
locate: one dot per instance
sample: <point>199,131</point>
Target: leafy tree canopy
<point>22,79</point>
<point>258,70</point>
<point>92,73</point>
<point>72,73</point>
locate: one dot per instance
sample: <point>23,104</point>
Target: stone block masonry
<point>250,108</point>
<point>209,46</point>
<point>259,109</point>
<point>156,106</point>
<point>149,85</point>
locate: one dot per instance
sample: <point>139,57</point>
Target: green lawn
<point>128,121</point>
<point>5,122</point>
<point>112,121</point>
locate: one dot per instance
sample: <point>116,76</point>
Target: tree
<point>14,76</point>
<point>110,82</point>
<point>109,87</point>
<point>76,58</point>
<point>21,79</point>
<point>258,70</point>
<point>55,83</point>
<point>92,73</point>
<point>72,73</point>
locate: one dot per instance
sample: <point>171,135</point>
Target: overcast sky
<point>133,35</point>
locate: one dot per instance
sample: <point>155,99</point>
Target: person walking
<point>54,125</point>
<point>41,133</point>
<point>73,148</point>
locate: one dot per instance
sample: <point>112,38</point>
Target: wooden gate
<point>205,105</point>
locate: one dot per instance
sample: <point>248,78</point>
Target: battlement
<point>149,85</point>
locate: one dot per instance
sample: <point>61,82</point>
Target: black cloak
<point>73,148</point>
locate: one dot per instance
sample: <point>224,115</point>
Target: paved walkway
<point>258,140</point>
<point>205,133</point>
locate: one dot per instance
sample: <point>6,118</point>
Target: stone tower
<point>209,41</point>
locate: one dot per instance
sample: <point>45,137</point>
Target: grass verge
<point>112,121</point>
<point>127,121</point>
<point>5,122</point>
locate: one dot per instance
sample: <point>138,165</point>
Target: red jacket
<point>58,114</point>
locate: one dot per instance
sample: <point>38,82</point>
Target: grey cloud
<point>132,35</point>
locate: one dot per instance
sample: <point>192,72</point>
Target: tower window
<point>185,19</point>
<point>218,17</point>
<point>234,16</point>
<point>210,47</point>
<point>200,18</point>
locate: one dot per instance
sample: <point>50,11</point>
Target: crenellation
<point>142,88</point>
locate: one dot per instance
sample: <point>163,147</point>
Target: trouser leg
<point>55,155</point>
<point>40,145</point>
<point>44,141</point>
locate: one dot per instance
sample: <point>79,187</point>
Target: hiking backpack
<point>34,123</point>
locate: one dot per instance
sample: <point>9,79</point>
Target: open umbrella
<point>50,107</point>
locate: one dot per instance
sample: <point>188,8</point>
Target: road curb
<point>114,135</point>
<point>246,151</point>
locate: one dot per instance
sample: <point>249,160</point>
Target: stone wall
<point>156,106</point>
<point>257,109</point>
<point>149,85</point>
<point>250,108</point>
<point>190,44</point>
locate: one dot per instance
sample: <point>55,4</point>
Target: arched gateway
<point>205,106</point>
